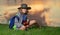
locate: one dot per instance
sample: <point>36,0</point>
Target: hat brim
<point>28,8</point>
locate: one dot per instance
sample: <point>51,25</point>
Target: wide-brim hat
<point>24,6</point>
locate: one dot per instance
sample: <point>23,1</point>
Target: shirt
<point>22,17</point>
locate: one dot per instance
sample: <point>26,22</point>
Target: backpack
<point>12,20</point>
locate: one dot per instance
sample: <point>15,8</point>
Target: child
<point>21,20</point>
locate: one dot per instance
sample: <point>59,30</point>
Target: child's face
<point>23,10</point>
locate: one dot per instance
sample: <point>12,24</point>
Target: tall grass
<point>4,30</point>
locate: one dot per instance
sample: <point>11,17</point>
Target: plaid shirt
<point>21,18</point>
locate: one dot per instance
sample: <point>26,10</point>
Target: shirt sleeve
<point>16,22</point>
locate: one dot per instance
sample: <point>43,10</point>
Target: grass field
<point>4,30</point>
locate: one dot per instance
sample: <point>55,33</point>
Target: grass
<point>4,30</point>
